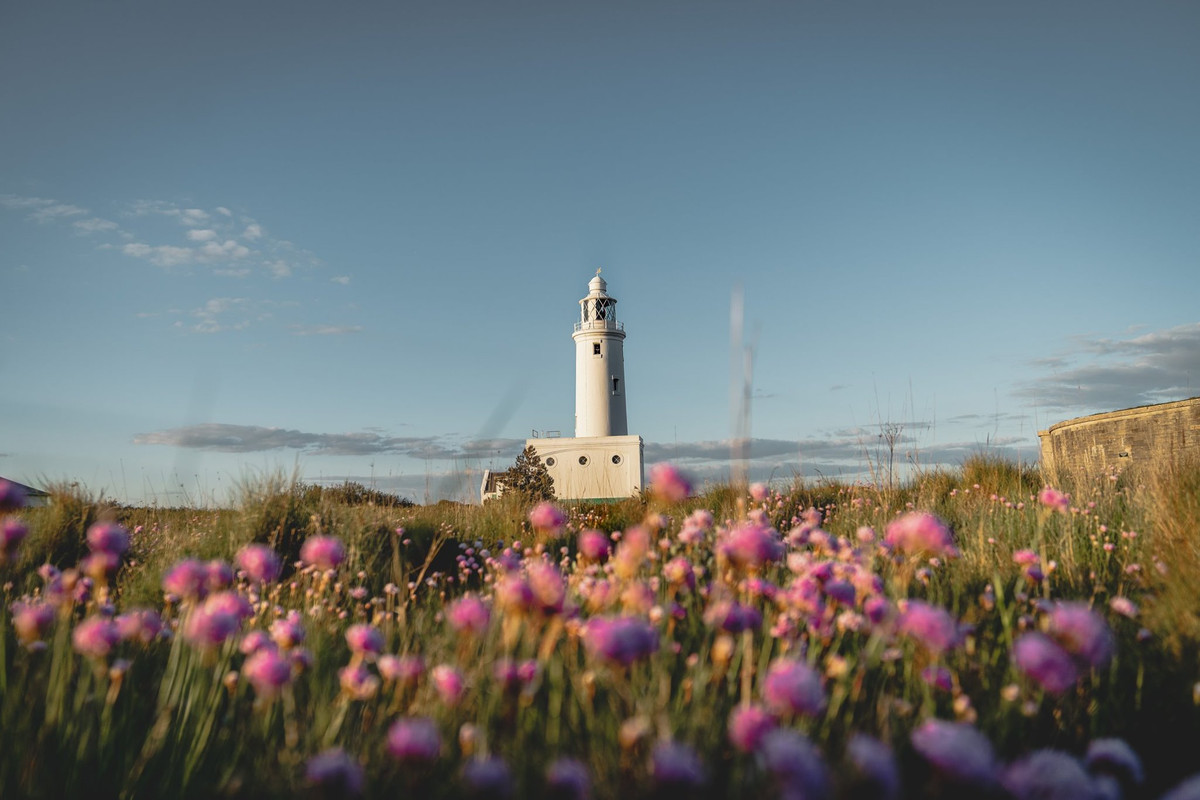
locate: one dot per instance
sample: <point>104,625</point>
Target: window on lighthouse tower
<point>595,348</point>
<point>616,385</point>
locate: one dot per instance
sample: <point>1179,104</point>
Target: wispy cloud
<point>94,225</point>
<point>214,316</point>
<point>1105,374</point>
<point>325,330</point>
<point>344,280</point>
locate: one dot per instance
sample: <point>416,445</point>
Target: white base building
<point>596,468</point>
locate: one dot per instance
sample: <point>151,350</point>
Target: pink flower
<point>187,579</point>
<point>547,518</point>
<point>514,595</point>
<point>267,671</point>
<point>364,640</point>
<point>12,533</point>
<point>1123,606</point>
<point>930,625</point>
<point>1054,499</point>
<point>546,583</point>
<point>733,617</point>
<point>448,683</point>
<point>793,687</point>
<point>31,621</point>
<point>219,575</point>
<point>669,484</point>
<point>142,624</point>
<point>289,631</point>
<point>621,640</point>
<point>920,533</point>
<point>678,571</point>
<point>230,603</point>
<point>414,740</point>
<point>209,627</point>
<point>748,725</point>
<point>254,641</point>
<point>751,545</point>
<point>1083,633</point>
<point>593,546</point>
<point>108,537</point>
<point>469,615</point>
<point>759,492</point>
<point>358,682</point>
<point>325,552</point>
<point>1041,659</point>
<point>406,670</point>
<point>259,562</point>
<point>336,773</point>
<point>95,637</point>
<point>1025,558</point>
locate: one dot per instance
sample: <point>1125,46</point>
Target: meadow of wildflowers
<point>971,632</point>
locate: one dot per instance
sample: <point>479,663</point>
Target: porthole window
<point>616,459</point>
<point>550,462</point>
<point>583,461</point>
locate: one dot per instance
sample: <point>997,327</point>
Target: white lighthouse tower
<point>602,462</point>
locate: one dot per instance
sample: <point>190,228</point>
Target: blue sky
<point>347,239</point>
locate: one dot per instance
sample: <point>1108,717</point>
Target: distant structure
<point>34,498</point>
<point>1087,448</point>
<point>602,462</point>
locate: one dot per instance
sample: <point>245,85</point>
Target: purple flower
<point>254,641</point>
<point>1188,790</point>
<point>142,624</point>
<point>875,772</point>
<point>187,579</point>
<point>675,765</point>
<point>289,631</point>
<point>546,583</point>
<point>932,626</point>
<point>938,678</point>
<point>733,617</point>
<point>31,621</point>
<point>547,518</point>
<point>751,545</point>
<point>568,779</point>
<point>668,484</point>
<point>1083,632</point>
<point>414,740</point>
<point>208,627</point>
<point>335,772</point>
<point>920,533</point>
<point>12,533</point>
<point>469,615</point>
<point>593,545</point>
<point>840,591</point>
<point>267,671</point>
<point>364,640</point>
<point>621,640</point>
<point>219,575</point>
<point>448,683</point>
<point>230,603</point>
<point>488,777</point>
<point>325,552</point>
<point>357,681</point>
<point>1039,657</point>
<point>108,537</point>
<point>793,687</point>
<point>260,563</point>
<point>12,496</point>
<point>1049,774</point>
<point>95,637</point>
<point>957,751</point>
<point>748,725</point>
<point>1114,757</point>
<point>795,764</point>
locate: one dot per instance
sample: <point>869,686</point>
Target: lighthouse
<point>602,462</point>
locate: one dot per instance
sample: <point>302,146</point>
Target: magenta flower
<point>796,764</point>
<point>100,565</point>
<point>751,545</point>
<point>230,603</point>
<point>793,688</point>
<point>930,625</point>
<point>31,621</point>
<point>414,740</point>
<point>620,640</point>
<point>875,772</point>
<point>267,671</point>
<point>468,615</point>
<point>547,518</point>
<point>405,670</point>
<point>336,773</point>
<point>254,641</point>
<point>1049,773</point>
<point>448,683</point>
<point>920,533</point>
<point>325,552</point>
<point>364,640</point>
<point>514,595</point>
<point>260,563</point>
<point>1054,499</point>
<point>546,583</point>
<point>1025,558</point>
<point>676,766</point>
<point>668,484</point>
<point>289,631</point>
<point>12,496</point>
<point>593,546</point>
<point>188,580</point>
<point>95,637</point>
<point>357,681</point>
<point>957,751</point>
<point>108,537</point>
<point>1083,633</point>
<point>12,533</point>
<point>142,624</point>
<point>1041,659</point>
<point>748,725</point>
<point>488,777</point>
<point>219,575</point>
<point>209,627</point>
<point>568,779</point>
<point>679,572</point>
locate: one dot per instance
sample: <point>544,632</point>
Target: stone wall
<point>1087,448</point>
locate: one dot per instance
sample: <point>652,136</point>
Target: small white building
<point>602,461</point>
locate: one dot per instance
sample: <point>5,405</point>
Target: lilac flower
<point>875,772</point>
<point>675,765</point>
<point>668,484</point>
<point>488,777</point>
<point>793,687</point>
<point>468,615</point>
<point>364,640</point>
<point>218,575</point>
<point>1114,757</point>
<point>877,609</point>
<point>621,640</point>
<point>95,637</point>
<point>733,617</point>
<point>547,518</point>
<point>1083,632</point>
<point>108,537</point>
<point>335,772</point>
<point>12,533</point>
<point>325,552</point>
<point>448,683</point>
<point>748,725</point>
<point>1050,666</point>
<point>751,545</point>
<point>260,563</point>
<point>142,624</point>
<point>1049,774</point>
<point>1054,499</point>
<point>1188,790</point>
<point>414,740</point>
<point>957,751</point>
<point>932,626</point>
<point>187,579</point>
<point>12,496</point>
<point>795,764</point>
<point>267,671</point>
<point>593,546</point>
<point>31,621</point>
<point>920,533</point>
<point>841,592</point>
<point>568,779</point>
